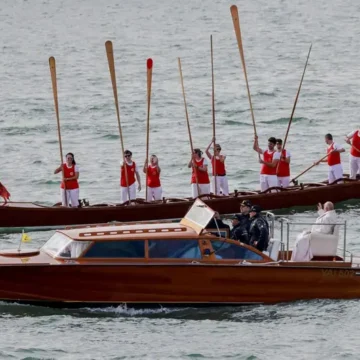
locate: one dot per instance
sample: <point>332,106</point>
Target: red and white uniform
<point>334,162</point>
<point>222,186</point>
<point>268,176</point>
<point>354,157</point>
<point>70,192</point>
<point>154,190</point>
<point>202,178</point>
<point>283,169</point>
<point>131,170</point>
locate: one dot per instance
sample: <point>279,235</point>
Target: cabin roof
<point>118,232</point>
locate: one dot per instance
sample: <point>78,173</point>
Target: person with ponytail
<point>70,190</point>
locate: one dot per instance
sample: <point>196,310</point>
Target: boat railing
<point>287,228</point>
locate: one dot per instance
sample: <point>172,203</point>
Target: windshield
<point>60,245</point>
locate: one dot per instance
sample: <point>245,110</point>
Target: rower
<point>218,170</point>
<point>131,171</point>
<point>70,190</point>
<point>334,161</point>
<point>269,163</point>
<point>354,156</point>
<point>154,190</point>
<point>283,168</point>
<point>200,177</point>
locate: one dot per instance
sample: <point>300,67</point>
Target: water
<point>276,37</point>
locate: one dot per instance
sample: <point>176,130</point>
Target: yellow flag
<point>25,237</point>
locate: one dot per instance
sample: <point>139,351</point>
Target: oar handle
<point>149,67</point>
<point>52,65</point>
<point>188,125</point>
<point>310,167</point>
<point>111,62</point>
<point>296,98</point>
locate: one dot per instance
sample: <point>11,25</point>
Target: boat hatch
<point>198,216</point>
<point>19,253</point>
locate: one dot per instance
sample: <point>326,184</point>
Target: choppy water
<point>276,36</point>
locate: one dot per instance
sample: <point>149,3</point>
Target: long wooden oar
<point>52,64</point>
<point>188,126</point>
<point>310,167</point>
<point>213,109</point>
<point>296,98</point>
<point>149,67</point>
<point>235,17</point>
<point>110,57</point>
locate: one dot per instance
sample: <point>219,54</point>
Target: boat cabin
<point>145,242</point>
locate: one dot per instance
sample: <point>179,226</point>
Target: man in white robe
<point>324,224</point>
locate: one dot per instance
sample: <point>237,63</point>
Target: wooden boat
<point>20,215</point>
<point>165,263</point>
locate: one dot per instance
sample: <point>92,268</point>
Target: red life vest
<point>356,144</point>
<point>283,168</point>
<point>267,170</point>
<point>153,177</point>
<point>202,176</point>
<point>130,169</point>
<point>68,173</point>
<point>219,166</point>
<point>333,158</point>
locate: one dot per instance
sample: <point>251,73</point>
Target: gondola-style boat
<point>165,263</point>
<point>20,215</point>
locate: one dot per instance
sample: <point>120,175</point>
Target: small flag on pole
<point>25,237</point>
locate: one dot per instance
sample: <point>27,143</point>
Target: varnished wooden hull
<point>30,215</point>
<point>201,284</point>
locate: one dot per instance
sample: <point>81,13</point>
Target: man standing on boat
<point>324,224</point>
<point>269,163</point>
<point>333,159</point>
<point>154,190</point>
<point>283,168</point>
<point>354,156</point>
<point>200,177</point>
<point>132,171</point>
<point>259,229</point>
<point>218,170</point>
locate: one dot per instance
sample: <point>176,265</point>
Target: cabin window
<point>174,249</point>
<point>117,249</point>
<point>227,251</point>
<point>60,245</point>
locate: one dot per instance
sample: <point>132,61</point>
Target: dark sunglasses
<point>127,155</point>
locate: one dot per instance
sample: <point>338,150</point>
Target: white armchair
<point>324,244</point>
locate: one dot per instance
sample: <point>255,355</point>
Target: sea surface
<point>276,38</point>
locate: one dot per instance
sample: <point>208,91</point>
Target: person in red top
<point>269,163</point>
<point>200,177</point>
<point>218,166</point>
<point>333,159</point>
<point>283,167</point>
<point>132,171</point>
<point>354,156</point>
<point>70,191</point>
<point>154,190</point>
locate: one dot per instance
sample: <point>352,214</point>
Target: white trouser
<point>222,186</point>
<point>284,181</point>
<point>125,192</point>
<point>268,181</point>
<point>204,189</point>
<point>72,197</point>
<point>354,166</point>
<point>153,193</point>
<point>335,172</point>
